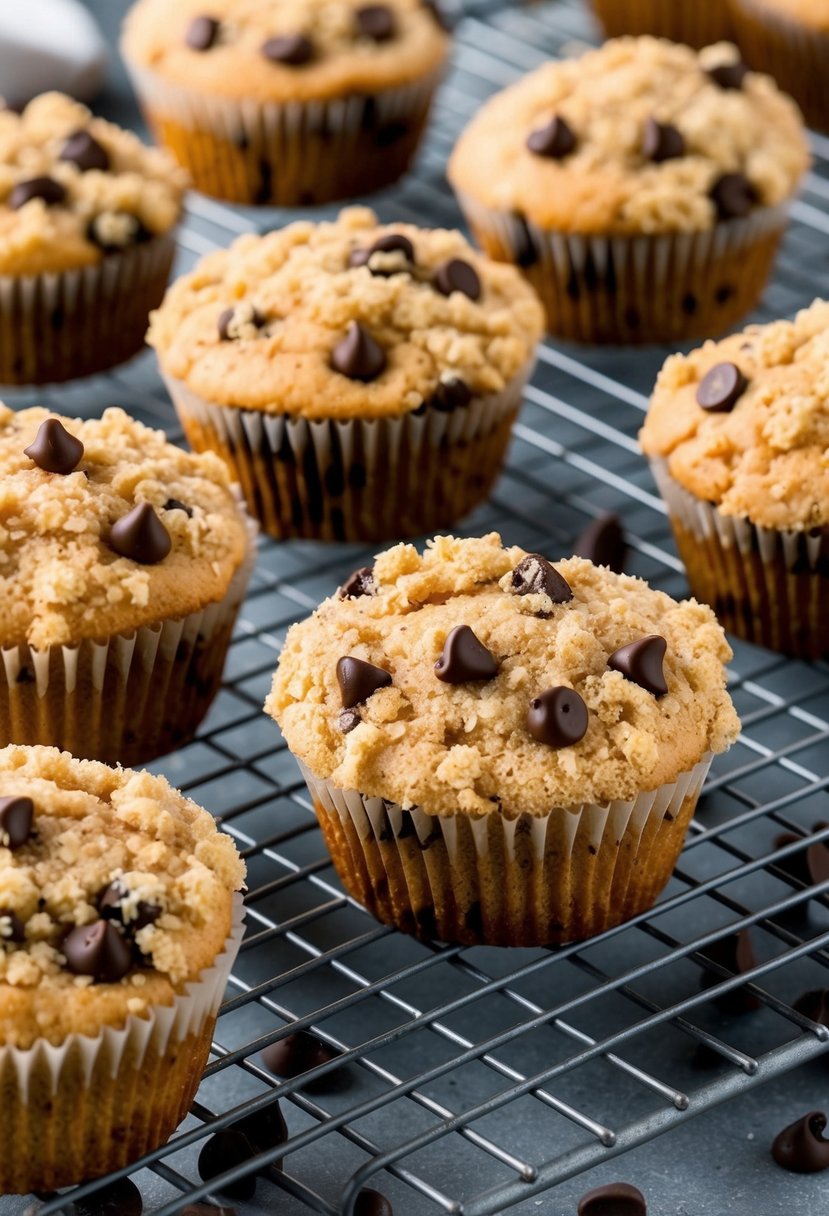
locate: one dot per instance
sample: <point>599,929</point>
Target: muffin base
<point>797,57</point>
<point>528,881</point>
<point>697,23</point>
<point>56,327</point>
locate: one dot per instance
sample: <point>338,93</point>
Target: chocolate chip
<point>297,1054</point>
<point>392,242</point>
<point>358,680</point>
<point>12,929</point>
<point>46,188</point>
<point>264,1130</point>
<point>734,953</point>
<point>223,1152</point>
<point>817,861</point>
<point>801,1146</point>
<point>661,142</point>
<point>458,275</point>
<point>733,196</point>
<point>377,22</point>
<point>616,1199</point>
<point>348,721</point>
<point>555,141</point>
<point>98,950</point>
<point>358,584</point>
<point>558,717</point>
<point>372,1203</point>
<point>451,394</point>
<point>534,575</point>
<point>16,817</point>
<point>121,1198</point>
<point>239,322</point>
<point>293,50</point>
<point>721,387</point>
<point>465,658</point>
<point>173,504</point>
<point>729,75</point>
<point>603,543</point>
<point>141,536</point>
<point>83,151</point>
<point>54,450</point>
<point>202,33</point>
<point>113,231</point>
<point>206,1209</point>
<point>358,356</point>
<point>641,662</point>
<point>110,905</point>
<point>815,1006</point>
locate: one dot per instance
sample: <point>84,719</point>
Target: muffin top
<point>498,682</point>
<point>641,136</point>
<point>744,423</point>
<point>74,188</point>
<point>347,319</point>
<point>105,526</point>
<point>122,855</point>
<point>283,50</point>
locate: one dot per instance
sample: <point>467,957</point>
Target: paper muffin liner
<point>72,323</point>
<point>619,289</point>
<point>127,698</point>
<point>92,1105</point>
<point>499,881</point>
<point>295,153</point>
<point>797,56</point>
<point>766,585</point>
<point>697,23</point>
<point>357,479</point>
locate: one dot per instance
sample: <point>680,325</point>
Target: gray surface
<point>576,435</point>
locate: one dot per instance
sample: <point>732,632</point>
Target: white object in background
<point>49,44</point>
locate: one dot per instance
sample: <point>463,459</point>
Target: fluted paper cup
<point>796,55</point>
<point>697,23</point>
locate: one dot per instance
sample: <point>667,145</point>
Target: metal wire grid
<point>473,1079</point>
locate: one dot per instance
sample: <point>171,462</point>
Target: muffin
<point>360,380</point>
<point>737,434</point>
<point>123,562</point>
<point>118,928</point>
<point>790,39</point>
<point>642,188</point>
<point>87,218</point>
<point>290,102</point>
<point>501,750</point>
<point>695,22</point>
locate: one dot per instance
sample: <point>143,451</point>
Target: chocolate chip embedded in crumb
<point>661,142</point>
<point>141,536</point>
<point>729,75</point>
<point>801,1147</point>
<point>721,388</point>
<point>451,394</point>
<point>173,504</point>
<point>358,356</point>
<point>534,575</point>
<point>642,662</point>
<point>12,929</point>
<point>615,1199</point>
<point>358,680</point>
<point>97,950</point>
<point>348,721</point>
<point>223,1152</point>
<point>16,818</point>
<point>358,584</point>
<point>378,257</point>
<point>558,717</point>
<point>113,231</point>
<point>554,141</point>
<point>458,275</point>
<point>603,543</point>
<point>733,195</point>
<point>202,33</point>
<point>54,450</point>
<point>377,22</point>
<point>465,658</point>
<point>84,152</point>
<point>371,1203</point>
<point>110,904</point>
<point>292,50</point>
<point>45,188</point>
<point>242,322</point>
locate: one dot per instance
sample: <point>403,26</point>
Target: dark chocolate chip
<point>348,721</point>
<point>392,242</point>
<point>729,75</point>
<point>555,141</point>
<point>734,953</point>
<point>458,275</point>
<point>450,395</point>
<point>223,1152</point>
<point>46,188</point>
<point>615,1199</point>
<point>377,22</point>
<point>16,816</point>
<point>372,1203</point>
<point>534,575</point>
<point>801,1146</point>
<point>358,356</point>
<point>110,901</point>
<point>98,950</point>
<point>54,449</point>
<point>297,1054</point>
<point>358,584</point>
<point>815,1006</point>
<point>661,142</point>
<point>141,536</point>
<point>817,861</point>
<point>121,1198</point>
<point>202,33</point>
<point>558,717</point>
<point>114,231</point>
<point>721,388</point>
<point>465,658</point>
<point>231,321</point>
<point>83,151</point>
<point>292,50</point>
<point>173,504</point>
<point>733,196</point>
<point>642,662</point>
<point>358,680</point>
<point>264,1130</point>
<point>603,543</point>
<point>12,928</point>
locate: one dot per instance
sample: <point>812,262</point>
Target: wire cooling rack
<point>473,1079</point>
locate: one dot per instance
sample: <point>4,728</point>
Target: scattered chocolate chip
<point>98,950</point>
<point>241,321</point>
<point>358,584</point>
<point>121,1198</point>
<point>729,75</point>
<point>223,1152</point>
<point>83,151</point>
<point>110,905</point>
<point>46,188</point>
<point>641,662</point>
<point>451,394</point>
<point>358,680</point>
<point>372,1203</point>
<point>801,1146</point>
<point>264,1130</point>
<point>616,1199</point>
<point>54,450</point>
<point>16,816</point>
<point>173,504</point>
<point>603,543</point>
<point>814,1005</point>
<point>202,33</point>
<point>734,953</point>
<point>534,575</point>
<point>113,231</point>
<point>458,275</point>
<point>555,141</point>
<point>358,356</point>
<point>348,721</point>
<point>721,387</point>
<point>12,928</point>
<point>465,658</point>
<point>377,22</point>
<point>661,142</point>
<point>558,717</point>
<point>297,1054</point>
<point>141,536</point>
<point>817,861</point>
<point>292,50</point>
<point>392,242</point>
<point>733,196</point>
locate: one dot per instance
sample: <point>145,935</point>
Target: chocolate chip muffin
<point>737,434</point>
<point>642,188</point>
<point>789,39</point>
<point>501,749</point>
<point>361,380</point>
<point>118,928</point>
<point>123,561</point>
<point>87,215</point>
<point>293,102</point>
<point>695,22</point>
